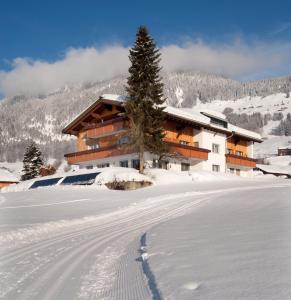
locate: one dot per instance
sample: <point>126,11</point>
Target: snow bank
<point>6,176</point>
<point>162,177</point>
<point>106,175</point>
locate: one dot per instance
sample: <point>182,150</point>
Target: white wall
<point>206,138</point>
<point>251,149</point>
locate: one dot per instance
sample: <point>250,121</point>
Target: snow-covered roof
<point>202,117</point>
<point>285,148</point>
<point>6,176</point>
<point>187,114</point>
<point>114,97</point>
<point>244,132</point>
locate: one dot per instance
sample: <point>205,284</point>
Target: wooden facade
<point>237,145</point>
<point>240,160</point>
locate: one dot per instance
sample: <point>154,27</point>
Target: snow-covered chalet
<point>197,140</point>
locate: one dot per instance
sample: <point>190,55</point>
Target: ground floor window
<point>231,170</point>
<point>215,168</point>
<point>135,164</point>
<point>123,163</point>
<point>237,171</point>
<point>105,165</point>
<point>185,167</point>
<point>163,164</point>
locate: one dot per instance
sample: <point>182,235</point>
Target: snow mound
<point>162,177</point>
<point>6,176</point>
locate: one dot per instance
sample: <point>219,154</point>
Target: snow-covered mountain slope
<point>272,104</point>
<point>42,118</point>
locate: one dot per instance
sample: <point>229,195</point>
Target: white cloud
<point>236,60</point>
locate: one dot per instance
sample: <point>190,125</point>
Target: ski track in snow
<point>44,205</point>
<point>90,258</point>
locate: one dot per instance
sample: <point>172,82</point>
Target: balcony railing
<point>107,128</point>
<point>175,149</point>
<point>93,154</point>
<point>240,160</point>
<point>187,151</point>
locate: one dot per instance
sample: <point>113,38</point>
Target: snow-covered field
<point>205,237</point>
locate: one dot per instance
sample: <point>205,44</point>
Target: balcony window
<point>185,167</point>
<point>215,148</point>
<point>94,146</point>
<point>216,168</point>
<point>238,153</point>
<point>123,163</point>
<point>184,142</point>
<point>229,151</point>
<point>124,140</point>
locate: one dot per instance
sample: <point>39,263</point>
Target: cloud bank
<point>236,60</point>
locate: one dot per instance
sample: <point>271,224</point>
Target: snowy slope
<point>83,243</point>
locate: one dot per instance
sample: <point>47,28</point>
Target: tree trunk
<point>141,159</point>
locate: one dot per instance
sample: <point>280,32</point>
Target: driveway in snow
<point>84,243</point>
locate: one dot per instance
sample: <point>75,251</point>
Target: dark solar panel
<point>45,182</point>
<point>82,179</point>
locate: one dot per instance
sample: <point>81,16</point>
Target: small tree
<point>145,97</point>
<point>32,162</point>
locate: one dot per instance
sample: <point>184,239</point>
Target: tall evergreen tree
<point>145,97</point>
<point>32,162</point>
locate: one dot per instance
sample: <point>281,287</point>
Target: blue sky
<point>45,31</point>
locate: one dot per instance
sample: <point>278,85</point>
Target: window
<point>239,153</point>
<point>104,165</point>
<point>218,122</point>
<point>185,167</point>
<point>45,182</point>
<point>184,142</point>
<point>83,179</point>
<point>237,172</point>
<point>155,163</point>
<point>135,163</point>
<point>215,148</point>
<point>163,164</point>
<point>123,140</point>
<point>215,168</point>
<point>231,170</point>
<point>94,146</point>
<point>229,151</point>
<point>89,167</point>
<point>123,163</point>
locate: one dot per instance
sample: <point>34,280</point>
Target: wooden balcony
<point>114,150</point>
<point>240,160</point>
<point>93,154</point>
<point>187,151</point>
<point>107,128</point>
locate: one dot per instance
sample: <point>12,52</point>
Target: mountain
<point>42,117</point>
